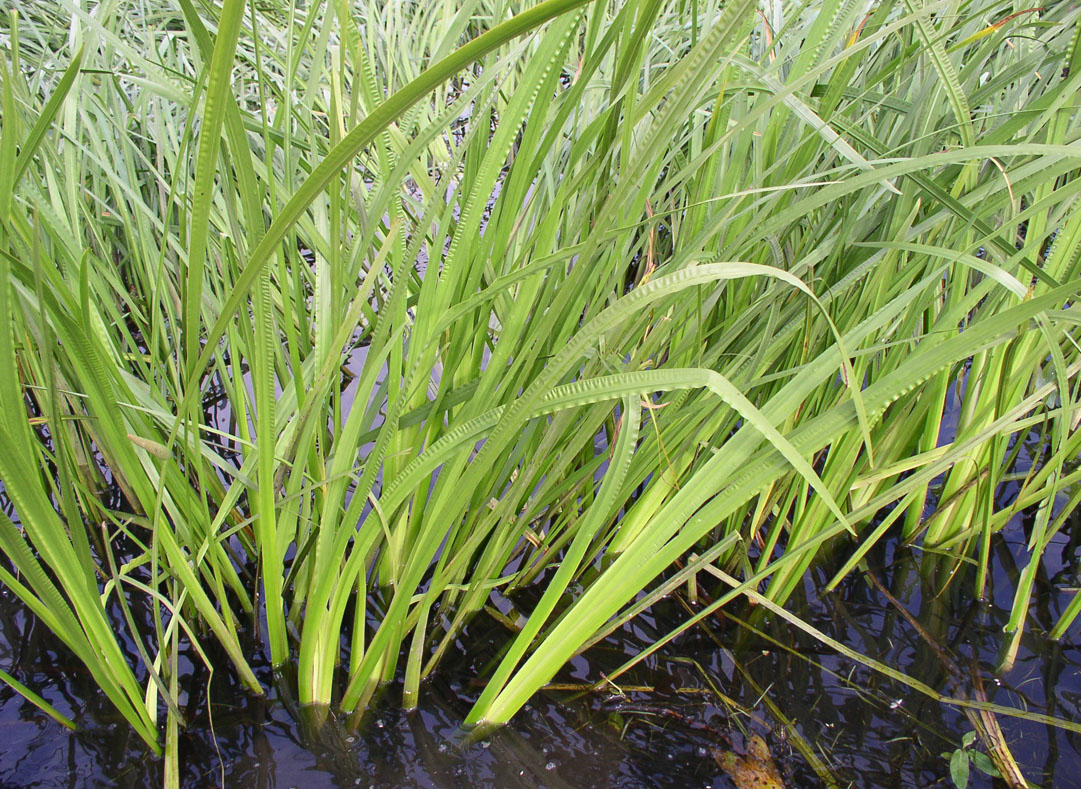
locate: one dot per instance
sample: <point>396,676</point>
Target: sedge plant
<point>498,295</point>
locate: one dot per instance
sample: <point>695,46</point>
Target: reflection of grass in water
<point>854,166</point>
<point>709,688</point>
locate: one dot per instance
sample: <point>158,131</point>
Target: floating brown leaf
<point>756,770</point>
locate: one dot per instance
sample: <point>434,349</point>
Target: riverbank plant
<point>328,325</point>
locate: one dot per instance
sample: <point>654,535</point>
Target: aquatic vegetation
<point>331,325</point>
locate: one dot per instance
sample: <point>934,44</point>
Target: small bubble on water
<point>702,752</point>
<point>350,739</point>
<point>550,766</point>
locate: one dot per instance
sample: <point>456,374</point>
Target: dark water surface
<point>657,725</point>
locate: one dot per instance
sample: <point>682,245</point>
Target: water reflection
<point>658,725</point>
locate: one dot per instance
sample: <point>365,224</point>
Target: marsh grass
<point>493,294</point>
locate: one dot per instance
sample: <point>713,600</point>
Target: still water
<point>665,723</point>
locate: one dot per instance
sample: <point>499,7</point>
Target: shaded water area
<point>663,723</point>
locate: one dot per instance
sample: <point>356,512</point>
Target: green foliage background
<point>500,294</point>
